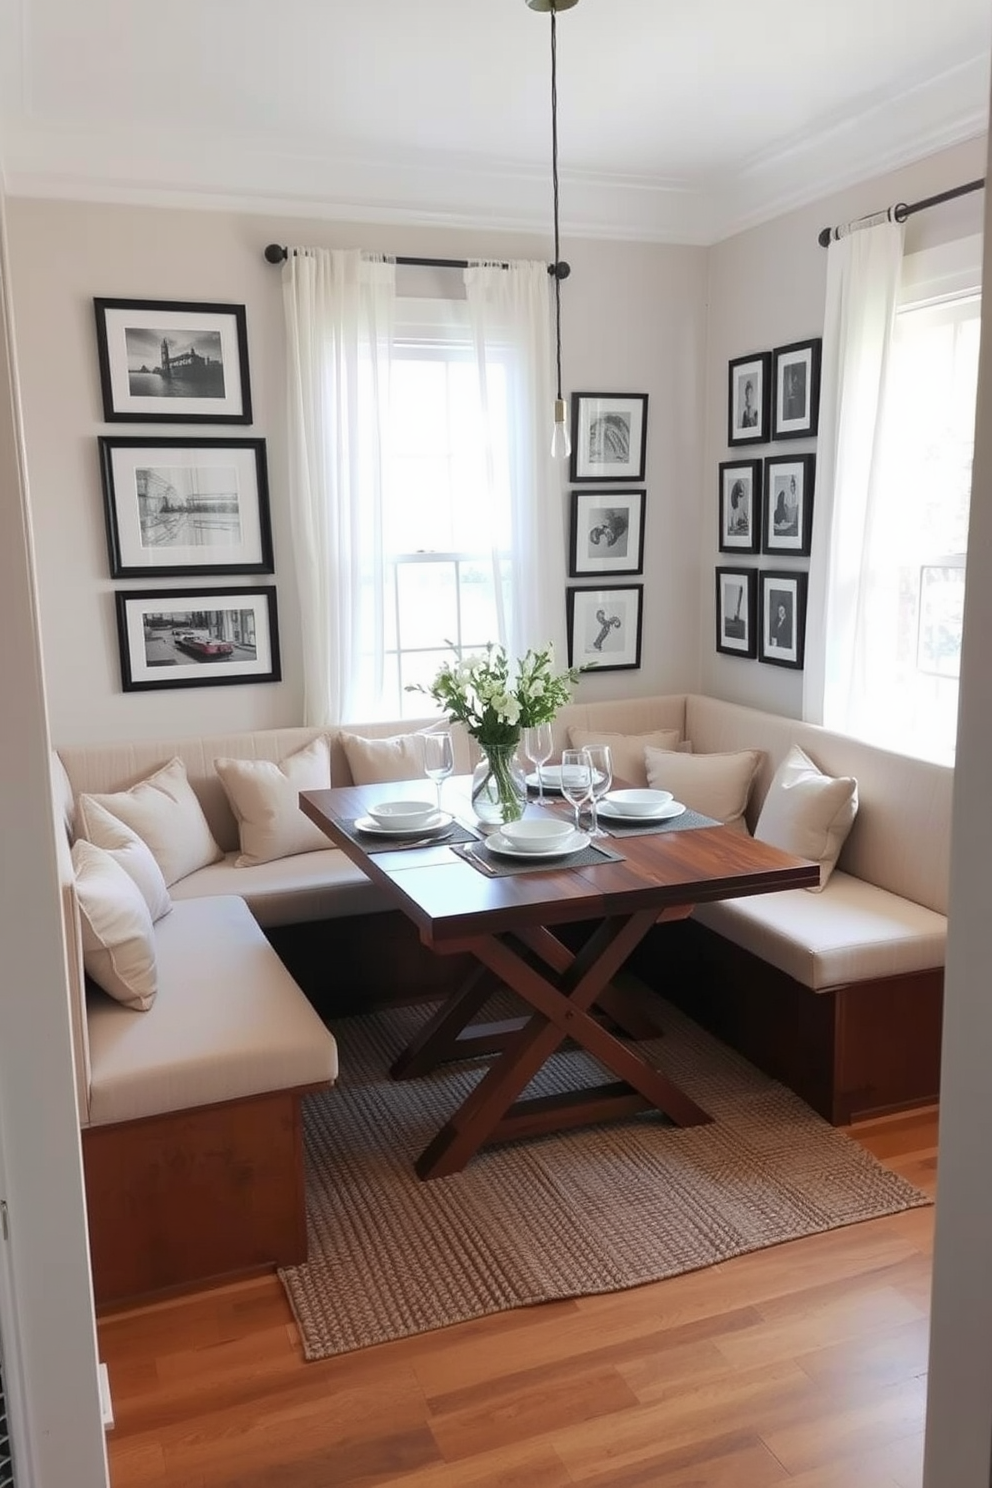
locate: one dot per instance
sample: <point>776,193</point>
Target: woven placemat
<point>374,845</point>
<point>495,866</point>
<point>684,823</point>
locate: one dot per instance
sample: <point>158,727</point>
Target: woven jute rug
<point>594,1210</point>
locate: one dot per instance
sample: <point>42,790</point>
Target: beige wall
<point>633,318</point>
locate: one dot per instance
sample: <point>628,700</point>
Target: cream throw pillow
<point>264,798</point>
<point>375,761</point>
<point>627,750</point>
<point>718,785</point>
<point>166,815</point>
<point>807,813</point>
<point>126,848</point>
<point>117,934</point>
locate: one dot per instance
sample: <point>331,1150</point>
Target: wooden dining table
<point>514,926</point>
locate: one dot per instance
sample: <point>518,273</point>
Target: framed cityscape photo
<point>787,526</point>
<point>167,360</point>
<point>748,398</point>
<point>197,637</point>
<point>796,385</point>
<point>606,533</point>
<point>180,507</point>
<point>604,627</point>
<point>736,599</point>
<point>782,618</point>
<point>609,436</point>
<point>740,506</point>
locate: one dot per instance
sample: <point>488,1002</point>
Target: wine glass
<point>601,766</point>
<point>576,779</point>
<point>439,759</point>
<point>538,744</point>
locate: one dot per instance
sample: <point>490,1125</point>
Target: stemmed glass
<point>538,744</point>
<point>439,759</point>
<point>576,779</point>
<point>601,766</point>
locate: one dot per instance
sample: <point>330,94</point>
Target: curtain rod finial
<point>275,253</point>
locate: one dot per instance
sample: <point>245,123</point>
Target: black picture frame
<point>172,638</point>
<point>782,617</point>
<point>606,533</point>
<point>609,436</point>
<point>201,378</point>
<point>604,627</point>
<point>736,608</point>
<point>740,508</point>
<point>748,398</point>
<point>201,503</point>
<point>796,389</point>
<point>787,518</point>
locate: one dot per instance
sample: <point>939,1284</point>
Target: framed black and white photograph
<point>197,637</point>
<point>736,600</point>
<point>740,506</point>
<point>604,627</point>
<point>748,399</point>
<point>609,436</point>
<point>166,360</point>
<point>782,618</point>
<point>180,507</point>
<point>606,533</point>
<point>796,384</point>
<point>787,526</point>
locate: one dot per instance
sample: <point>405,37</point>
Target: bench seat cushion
<point>850,932</point>
<point>289,891</point>
<point>229,1021</point>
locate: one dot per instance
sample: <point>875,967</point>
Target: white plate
<point>664,813</point>
<point>497,843</point>
<point>551,775</point>
<point>436,823</point>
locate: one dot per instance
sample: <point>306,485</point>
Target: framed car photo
<point>748,399</point>
<point>782,618</point>
<point>796,389</point>
<point>609,436</point>
<point>735,611</point>
<point>787,526</point>
<point>604,627</point>
<point>606,533</point>
<point>173,361</point>
<point>740,506</point>
<point>197,637</point>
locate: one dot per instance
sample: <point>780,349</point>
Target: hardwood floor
<point>803,1365</point>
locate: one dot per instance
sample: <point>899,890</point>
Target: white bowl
<point>637,802</point>
<point>537,834</point>
<point>403,813</point>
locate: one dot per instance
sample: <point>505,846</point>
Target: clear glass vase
<point>499,786</point>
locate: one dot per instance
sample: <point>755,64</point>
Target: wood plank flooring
<point>802,1365</point>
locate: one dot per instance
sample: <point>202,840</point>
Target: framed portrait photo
<point>166,360</point>
<point>748,398</point>
<point>179,507</point>
<point>197,637</point>
<point>735,611</point>
<point>609,436</point>
<point>740,506</point>
<point>604,627</point>
<point>796,384</point>
<point>782,618</point>
<point>606,532</point>
<point>787,525</point>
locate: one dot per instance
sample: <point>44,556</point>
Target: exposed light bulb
<point>561,444</point>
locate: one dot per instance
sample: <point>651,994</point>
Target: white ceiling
<point>679,122</point>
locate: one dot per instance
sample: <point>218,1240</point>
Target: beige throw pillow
<point>375,761</point>
<point>118,939</point>
<point>718,785</point>
<point>126,848</point>
<point>265,799</point>
<point>166,815</point>
<point>807,813</point>
<point>627,750</point>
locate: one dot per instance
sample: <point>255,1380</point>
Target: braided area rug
<point>594,1210</point>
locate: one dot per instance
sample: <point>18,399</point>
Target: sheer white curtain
<point>510,317</point>
<point>849,535</point>
<point>339,308</point>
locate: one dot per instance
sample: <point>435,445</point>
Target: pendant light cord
<point>554,184</point>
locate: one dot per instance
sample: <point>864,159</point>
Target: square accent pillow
<point>126,848</point>
<point>166,815</point>
<point>376,761</point>
<point>264,798</point>
<point>808,813</point>
<point>117,934</point>
<point>627,750</point>
<point>718,785</point>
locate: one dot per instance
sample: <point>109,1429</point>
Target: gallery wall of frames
<point>765,504</point>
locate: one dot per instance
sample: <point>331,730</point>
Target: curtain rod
<point>899,212</point>
<point>275,253</point>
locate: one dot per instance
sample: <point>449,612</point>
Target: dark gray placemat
<point>374,844</point>
<point>495,866</point>
<point>682,823</point>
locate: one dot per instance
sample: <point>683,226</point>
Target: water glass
<point>576,779</point>
<point>538,744</point>
<point>601,765</point>
<point>439,759</point>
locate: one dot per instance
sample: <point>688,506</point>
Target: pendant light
<point>561,444</point>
